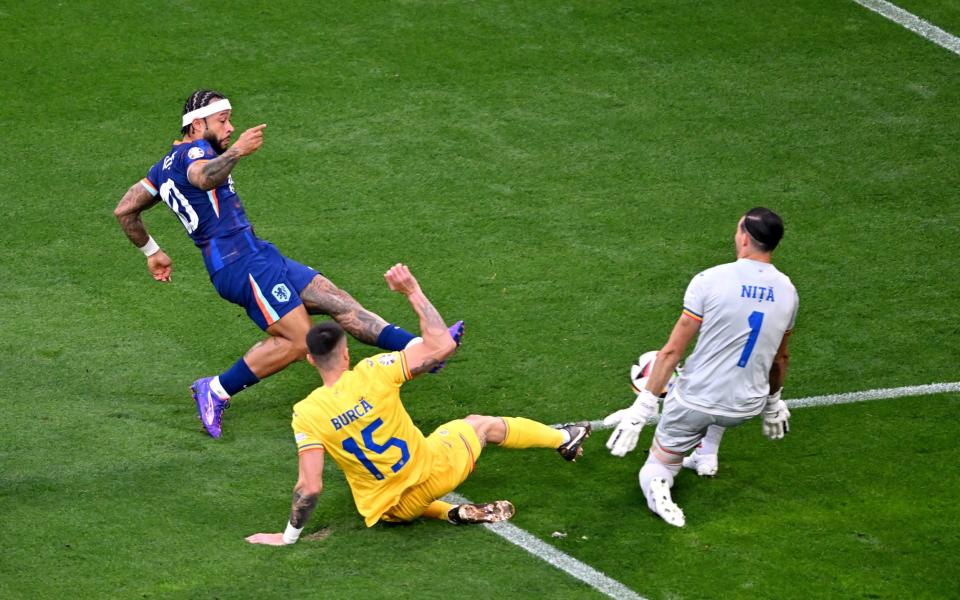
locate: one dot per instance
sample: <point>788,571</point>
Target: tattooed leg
<point>321,296</point>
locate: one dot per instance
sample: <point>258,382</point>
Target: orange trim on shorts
<point>268,313</point>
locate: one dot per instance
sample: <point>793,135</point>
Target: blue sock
<point>237,377</point>
<point>394,338</point>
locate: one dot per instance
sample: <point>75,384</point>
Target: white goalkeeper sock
<point>654,468</point>
<point>710,444</point>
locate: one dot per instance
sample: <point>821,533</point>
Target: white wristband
<point>292,534</point>
<point>150,248</point>
<point>774,397</point>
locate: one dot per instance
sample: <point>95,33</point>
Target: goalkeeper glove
<point>776,417</point>
<point>629,421</point>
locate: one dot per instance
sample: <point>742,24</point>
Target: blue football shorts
<point>267,284</point>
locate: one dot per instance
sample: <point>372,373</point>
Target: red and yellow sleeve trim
<point>307,447</point>
<point>693,315</point>
<point>407,376</point>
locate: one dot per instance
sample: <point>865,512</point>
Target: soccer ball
<point>640,372</point>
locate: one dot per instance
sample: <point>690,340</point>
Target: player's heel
<point>579,432</point>
<point>491,512</point>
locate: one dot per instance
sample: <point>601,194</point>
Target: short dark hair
<point>323,338</point>
<point>764,226</point>
<point>198,99</point>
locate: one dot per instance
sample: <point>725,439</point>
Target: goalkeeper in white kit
<point>744,312</point>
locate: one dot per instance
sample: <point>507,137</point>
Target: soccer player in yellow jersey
<point>395,473</point>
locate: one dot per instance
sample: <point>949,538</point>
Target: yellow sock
<point>438,509</point>
<point>525,433</point>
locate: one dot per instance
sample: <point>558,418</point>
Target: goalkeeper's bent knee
<point>663,455</point>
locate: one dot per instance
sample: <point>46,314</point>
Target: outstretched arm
<point>437,344</point>
<point>669,356</point>
<point>629,421</point>
<point>305,496</point>
<point>208,174</point>
<point>134,202</point>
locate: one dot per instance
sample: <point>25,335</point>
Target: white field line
<point>913,23</point>
<point>564,562</point>
<point>849,397</point>
<point>613,588</point>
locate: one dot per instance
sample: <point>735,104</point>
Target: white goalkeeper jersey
<point>744,308</point>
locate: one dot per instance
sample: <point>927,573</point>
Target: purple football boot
<point>456,332</point>
<point>209,406</point>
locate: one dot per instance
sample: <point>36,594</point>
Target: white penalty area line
<point>847,398</point>
<point>914,23</point>
<point>566,563</point>
<point>881,394</point>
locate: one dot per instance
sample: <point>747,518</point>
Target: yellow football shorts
<point>454,448</point>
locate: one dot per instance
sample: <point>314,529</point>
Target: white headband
<point>206,111</point>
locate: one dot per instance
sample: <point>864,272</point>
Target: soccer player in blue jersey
<point>195,181</point>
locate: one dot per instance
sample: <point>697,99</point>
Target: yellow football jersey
<point>362,425</point>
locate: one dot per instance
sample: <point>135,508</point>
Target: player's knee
<point>295,343</point>
<point>489,429</point>
<point>478,420</point>
<point>298,348</point>
<point>289,350</point>
<point>662,455</point>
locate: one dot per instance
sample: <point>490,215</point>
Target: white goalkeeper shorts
<point>680,428</point>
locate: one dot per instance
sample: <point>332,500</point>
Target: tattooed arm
<point>208,174</point>
<point>308,488</point>
<point>134,202</point>
<point>437,344</point>
<point>305,496</point>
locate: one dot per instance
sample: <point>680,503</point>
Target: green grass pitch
<point>554,172</point>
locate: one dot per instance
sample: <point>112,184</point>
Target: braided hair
<point>199,99</point>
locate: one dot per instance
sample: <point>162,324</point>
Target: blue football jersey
<point>214,219</point>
